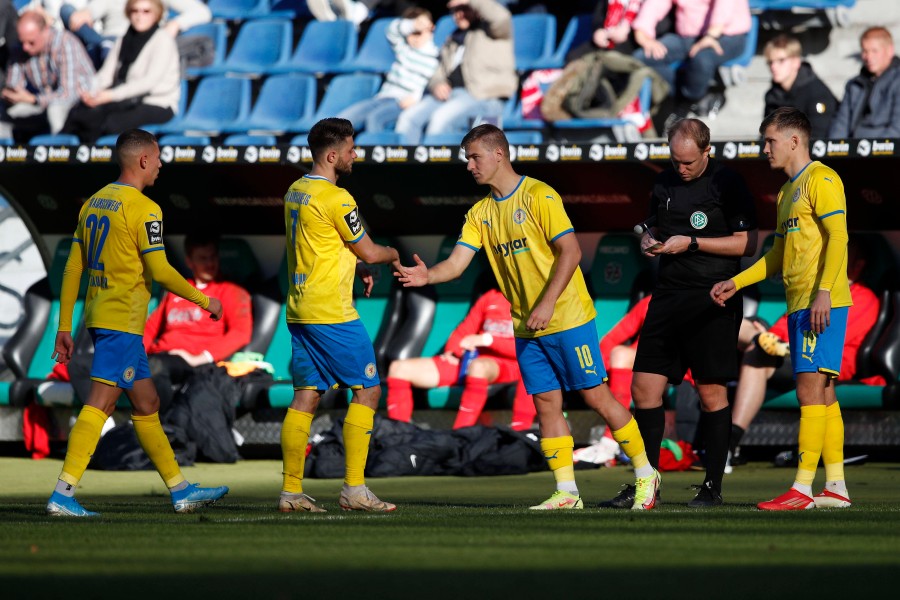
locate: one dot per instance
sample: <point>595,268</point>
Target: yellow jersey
<point>321,221</point>
<point>518,232</point>
<point>116,227</point>
<point>804,203</point>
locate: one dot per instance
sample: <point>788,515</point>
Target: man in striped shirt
<point>412,38</point>
<point>45,80</point>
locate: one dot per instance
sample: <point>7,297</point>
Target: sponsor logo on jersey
<point>353,222</point>
<point>699,220</point>
<point>154,232</point>
<point>514,247</point>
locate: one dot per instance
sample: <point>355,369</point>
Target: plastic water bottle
<point>467,357</point>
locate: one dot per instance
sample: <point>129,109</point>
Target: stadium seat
<point>375,54</point>
<point>107,140</point>
<point>283,101</point>
<point>54,139</point>
<point>618,270</point>
<point>248,139</point>
<point>442,30</point>
<point>450,138</point>
<point>324,47</point>
<point>28,352</point>
<point>378,138</point>
<point>733,72</point>
<point>343,91</point>
<point>6,141</point>
<point>217,102</point>
<point>176,139</point>
<point>513,119</point>
<point>578,31</point>
<point>524,137</point>
<point>623,129</point>
<point>262,46</point>
<point>534,40</point>
<point>179,114</point>
<point>238,10</point>
<point>217,31</point>
<point>290,9</point>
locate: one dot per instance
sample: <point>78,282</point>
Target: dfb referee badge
<point>699,220</point>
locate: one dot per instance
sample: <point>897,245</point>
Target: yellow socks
<point>632,444</point>
<point>810,441</point>
<point>558,452</point>
<point>82,442</point>
<point>294,438</point>
<point>153,440</point>
<point>357,433</point>
<point>833,449</point>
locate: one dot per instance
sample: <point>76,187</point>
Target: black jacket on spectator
<point>808,94</point>
<point>871,107</point>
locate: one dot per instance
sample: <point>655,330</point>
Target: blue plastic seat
<point>238,10</point>
<point>378,138</point>
<point>623,129</point>
<point>343,91</point>
<point>218,33</point>
<point>54,139</point>
<point>534,40</point>
<point>217,102</point>
<point>175,139</point>
<point>524,137</point>
<point>182,107</point>
<point>579,30</point>
<point>324,47</point>
<point>262,46</point>
<point>290,9</point>
<point>107,140</point>
<point>449,138</point>
<point>246,139</point>
<point>732,72</point>
<point>375,54</point>
<point>442,30</point>
<point>283,101</point>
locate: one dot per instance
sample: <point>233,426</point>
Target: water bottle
<point>467,357</point>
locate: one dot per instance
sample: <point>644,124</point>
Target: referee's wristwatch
<point>693,246</point>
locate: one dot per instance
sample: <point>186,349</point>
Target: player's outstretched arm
<point>374,254</point>
<point>722,291</point>
<point>446,270</point>
<point>161,271</point>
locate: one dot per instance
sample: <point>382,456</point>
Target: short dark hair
<point>328,133</point>
<point>491,135</point>
<point>694,129</point>
<point>200,238</point>
<point>788,117</point>
<point>131,143</point>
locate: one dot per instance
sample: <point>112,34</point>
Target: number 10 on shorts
<point>585,359</point>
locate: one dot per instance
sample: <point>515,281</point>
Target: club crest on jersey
<point>370,370</point>
<point>796,195</point>
<point>128,375</point>
<point>519,216</point>
<point>154,232</point>
<point>699,220</point>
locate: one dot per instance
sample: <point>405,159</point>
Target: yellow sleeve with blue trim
<point>344,213</point>
<point>70,283</point>
<point>831,209</point>
<point>471,235</point>
<point>170,279</point>
<point>768,264</point>
<point>551,212</point>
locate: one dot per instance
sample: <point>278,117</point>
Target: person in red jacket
<point>488,328</point>
<point>768,359</point>
<point>178,337</point>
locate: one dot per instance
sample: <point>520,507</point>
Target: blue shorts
<point>119,358</point>
<point>331,356</point>
<point>817,353</point>
<point>568,360</point>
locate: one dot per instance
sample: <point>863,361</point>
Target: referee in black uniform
<point>704,222</point>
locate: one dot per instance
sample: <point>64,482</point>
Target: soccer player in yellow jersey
<point>534,254</point>
<point>119,243</point>
<point>810,250</point>
<point>325,240</point>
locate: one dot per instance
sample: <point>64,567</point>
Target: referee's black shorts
<point>685,329</point>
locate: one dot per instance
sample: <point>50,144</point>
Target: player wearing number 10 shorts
<point>533,252</point>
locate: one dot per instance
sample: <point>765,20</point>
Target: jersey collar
<point>521,179</point>
<point>794,178</point>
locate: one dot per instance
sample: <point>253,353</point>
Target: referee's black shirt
<point>716,204</point>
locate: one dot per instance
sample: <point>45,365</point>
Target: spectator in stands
<point>102,22</point>
<point>487,330</point>
<point>357,11</point>
<point>795,84</point>
<point>45,79</point>
<point>476,73</point>
<point>707,34</point>
<point>50,9</point>
<point>412,38</point>
<point>768,360</point>
<point>611,26</point>
<point>8,36</point>
<point>139,83</point>
<point>178,336</point>
<point>871,104</point>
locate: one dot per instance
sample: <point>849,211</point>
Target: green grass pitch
<point>454,538</point>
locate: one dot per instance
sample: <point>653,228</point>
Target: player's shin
<point>294,438</point>
<point>153,440</point>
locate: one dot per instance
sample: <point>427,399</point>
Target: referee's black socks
<point>716,428</point>
<point>652,423</point>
